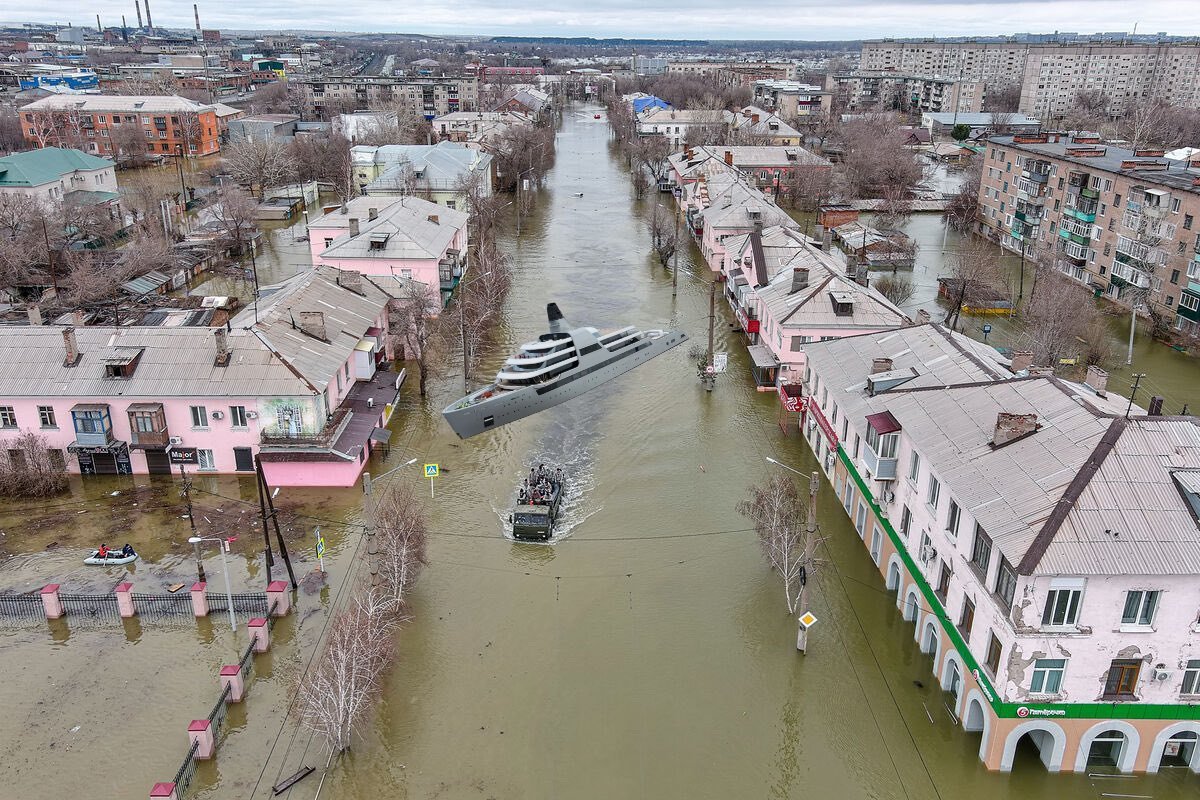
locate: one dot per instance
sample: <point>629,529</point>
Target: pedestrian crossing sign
<point>320,546</point>
<point>808,620</point>
<point>431,470</point>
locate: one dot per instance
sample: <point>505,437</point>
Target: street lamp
<point>196,540</point>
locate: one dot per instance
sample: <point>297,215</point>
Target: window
<point>943,587</point>
<point>845,428</point>
<point>1047,675</point>
<point>199,417</point>
<point>935,491</point>
<point>1175,205</point>
<point>1122,678</point>
<point>952,519</point>
<point>914,466</point>
<point>237,416</point>
<point>8,417</point>
<point>328,241</point>
<point>1175,276</point>
<point>90,421</point>
<point>967,618</point>
<point>857,445</point>
<point>1140,607</point>
<point>1187,222</point>
<point>206,459</point>
<point>981,550</point>
<point>1191,678</point>
<point>905,521</point>
<point>143,422</point>
<point>993,654</point>
<point>46,415</point>
<point>884,446</point>
<point>1062,607</point>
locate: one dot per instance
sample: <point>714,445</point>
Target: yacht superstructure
<point>559,366</point>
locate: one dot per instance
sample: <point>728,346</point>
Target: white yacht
<point>559,366</point>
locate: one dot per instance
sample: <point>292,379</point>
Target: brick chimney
<point>349,279</point>
<point>799,279</point>
<point>1010,427</point>
<point>35,313</point>
<point>923,316</point>
<point>77,318</point>
<point>754,119</point>
<point>1022,360</point>
<point>221,337</point>
<point>729,157</point>
<point>1155,407</point>
<point>881,365</point>
<point>434,219</point>
<point>1097,379</point>
<point>372,213</point>
<point>827,239</point>
<point>312,323</point>
<point>1041,371</point>
<point>354,226</point>
<point>72,355</point>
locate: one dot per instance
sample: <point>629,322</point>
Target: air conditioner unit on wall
<point>928,553</point>
<point>251,415</point>
<point>1162,674</point>
<point>176,440</point>
<point>218,415</point>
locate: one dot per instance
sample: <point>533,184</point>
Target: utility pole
<point>1132,329</point>
<point>810,546</point>
<point>262,507</point>
<point>710,372</point>
<point>372,542</point>
<point>186,493</point>
<point>1137,381</point>
<point>274,515</point>
<point>675,255</point>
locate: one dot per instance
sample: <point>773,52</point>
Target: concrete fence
<point>124,603</point>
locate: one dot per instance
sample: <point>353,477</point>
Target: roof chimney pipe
<point>1010,427</point>
<point>312,323</point>
<point>799,279</point>
<point>1097,379</point>
<point>1156,404</point>
<point>1022,360</point>
<point>881,365</point>
<point>223,351</point>
<point>729,157</point>
<point>354,226</point>
<point>372,213</point>
<point>35,313</point>
<point>72,355</point>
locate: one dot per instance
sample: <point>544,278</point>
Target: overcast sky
<point>694,19</point>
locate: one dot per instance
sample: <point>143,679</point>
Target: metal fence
<point>90,607</point>
<point>22,608</point>
<point>247,603</point>
<point>217,715</point>
<point>246,656</point>
<point>163,605</point>
<point>187,771</point>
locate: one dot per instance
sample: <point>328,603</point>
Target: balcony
<point>1075,251</point>
<point>1037,171</point>
<point>93,426</point>
<point>1089,192</point>
<point>1083,210</point>
<point>881,469</point>
<point>148,426</point>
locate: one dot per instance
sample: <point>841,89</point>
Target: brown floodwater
<point>646,654</point>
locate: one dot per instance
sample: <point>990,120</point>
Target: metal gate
<point>157,462</point>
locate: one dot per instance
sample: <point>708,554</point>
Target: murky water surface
<point>648,654</point>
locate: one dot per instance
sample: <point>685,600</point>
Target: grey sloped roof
<point>441,166</point>
<point>347,317</point>
<point>175,362</point>
<point>410,232</point>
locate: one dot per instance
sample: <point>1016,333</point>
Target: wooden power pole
<point>810,546</point>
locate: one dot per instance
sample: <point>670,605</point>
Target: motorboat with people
<point>111,557</point>
<point>539,499</point>
<point>561,365</point>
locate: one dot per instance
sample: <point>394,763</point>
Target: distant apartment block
<point>886,91</point>
<point>171,125</point>
<point>420,97</point>
<point>1050,75</point>
<point>792,99</point>
<point>735,73</point>
<point>1122,222</point>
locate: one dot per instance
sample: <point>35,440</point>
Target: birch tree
<point>778,515</point>
<point>401,535</point>
<point>664,234</point>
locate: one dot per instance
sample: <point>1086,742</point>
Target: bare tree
<point>1057,317</point>
<point>12,137</point>
<point>898,290</point>
<point>237,215</point>
<point>30,468</point>
<point>400,532</point>
<point>326,160</point>
<point>875,158</point>
<point>896,207</point>
<point>1146,122</point>
<point>664,234</point>
<point>258,163</point>
<point>975,275</point>
<point>413,322</point>
<point>1089,110</point>
<point>963,208</point>
<point>477,306</point>
<point>129,144</point>
<point>1006,97</point>
<point>779,516</point>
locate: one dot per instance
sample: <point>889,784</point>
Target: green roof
<point>38,167</point>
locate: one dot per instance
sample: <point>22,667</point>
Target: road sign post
<point>431,472</point>
<point>320,549</point>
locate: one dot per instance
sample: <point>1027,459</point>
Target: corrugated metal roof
<point>403,230</point>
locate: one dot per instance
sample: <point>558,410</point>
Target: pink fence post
<point>51,602</point>
<point>231,676</point>
<point>201,732</point>
<point>125,600</point>
<point>200,599</point>
<point>259,634</point>
<point>163,791</point>
<point>277,598</point>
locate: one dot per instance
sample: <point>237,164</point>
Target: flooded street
<point>646,655</point>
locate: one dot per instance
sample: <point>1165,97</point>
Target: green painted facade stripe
<point>1131,710</point>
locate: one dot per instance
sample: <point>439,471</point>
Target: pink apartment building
<point>307,388</point>
<point>787,293</point>
<point>1044,544</point>
<point>723,206</point>
<point>393,240</point>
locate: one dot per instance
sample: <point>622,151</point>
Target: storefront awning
<point>761,356</point>
<point>381,435</point>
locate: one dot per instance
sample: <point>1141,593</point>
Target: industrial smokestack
<point>124,30</point>
<point>99,30</point>
<point>137,4</point>
<point>196,11</point>
<point>149,21</point>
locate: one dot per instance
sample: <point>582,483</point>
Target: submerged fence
<point>103,609</point>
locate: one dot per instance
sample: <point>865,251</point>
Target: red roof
<point>883,422</point>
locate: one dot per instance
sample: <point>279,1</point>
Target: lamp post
<point>196,540</point>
